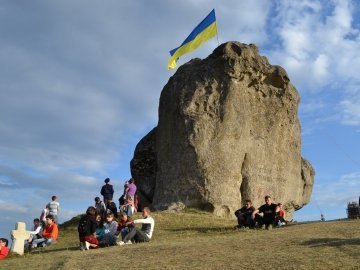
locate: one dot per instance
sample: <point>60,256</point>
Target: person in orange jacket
<point>49,234</point>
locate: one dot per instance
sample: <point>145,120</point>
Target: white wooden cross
<point>19,235</point>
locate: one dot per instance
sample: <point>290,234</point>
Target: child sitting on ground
<point>279,219</point>
<point>36,233</point>
<point>124,226</point>
<point>110,231</point>
<point>100,231</point>
<point>4,251</point>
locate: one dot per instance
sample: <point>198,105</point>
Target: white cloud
<point>351,109</point>
<point>319,45</point>
<point>7,207</point>
<point>80,82</point>
<point>338,192</point>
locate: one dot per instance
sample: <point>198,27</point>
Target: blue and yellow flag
<point>203,32</point>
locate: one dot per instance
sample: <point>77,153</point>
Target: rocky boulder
<point>228,131</point>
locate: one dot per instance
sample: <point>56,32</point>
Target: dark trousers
<point>136,235</point>
<point>265,221</point>
<point>244,220</point>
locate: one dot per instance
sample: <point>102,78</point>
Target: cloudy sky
<point>80,82</point>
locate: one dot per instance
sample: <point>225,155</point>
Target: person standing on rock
<point>107,191</point>
<point>269,210</point>
<point>244,215</point>
<point>131,189</point>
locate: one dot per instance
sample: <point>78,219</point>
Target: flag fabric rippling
<point>206,30</point>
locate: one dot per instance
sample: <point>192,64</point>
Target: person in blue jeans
<point>140,235</point>
<point>124,225</point>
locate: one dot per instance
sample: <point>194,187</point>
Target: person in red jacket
<point>49,234</point>
<point>4,251</point>
<point>280,217</point>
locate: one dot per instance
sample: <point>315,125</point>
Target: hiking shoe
<point>120,243</point>
<point>128,242</point>
<point>269,227</point>
<point>82,246</point>
<point>87,245</point>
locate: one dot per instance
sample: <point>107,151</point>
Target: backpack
<point>83,224</point>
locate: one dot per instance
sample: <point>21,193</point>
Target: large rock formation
<point>228,131</point>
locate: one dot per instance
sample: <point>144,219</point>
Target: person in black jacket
<point>244,215</point>
<point>269,210</point>
<point>111,208</point>
<point>87,230</point>
<point>107,191</point>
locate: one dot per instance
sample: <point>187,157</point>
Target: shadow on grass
<point>44,250</point>
<point>203,229</point>
<point>331,242</point>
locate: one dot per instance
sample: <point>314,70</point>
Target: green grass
<point>197,240</point>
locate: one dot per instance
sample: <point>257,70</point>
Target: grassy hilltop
<point>197,240</point>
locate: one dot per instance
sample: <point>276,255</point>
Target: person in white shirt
<point>54,207</point>
<point>140,235</point>
<point>34,234</point>
<point>43,215</point>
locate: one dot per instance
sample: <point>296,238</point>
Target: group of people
<point>94,233</point>
<point>248,216</point>
<point>45,229</point>
<point>128,201</point>
<point>102,226</point>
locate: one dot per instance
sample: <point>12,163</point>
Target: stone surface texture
<point>19,235</point>
<point>228,131</point>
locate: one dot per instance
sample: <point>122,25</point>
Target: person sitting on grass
<point>143,235</point>
<point>110,228</point>
<point>100,231</point>
<point>49,234</point>
<point>269,211</point>
<point>4,251</point>
<point>34,234</point>
<point>279,219</point>
<point>124,225</point>
<point>87,230</point>
<point>244,215</point>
